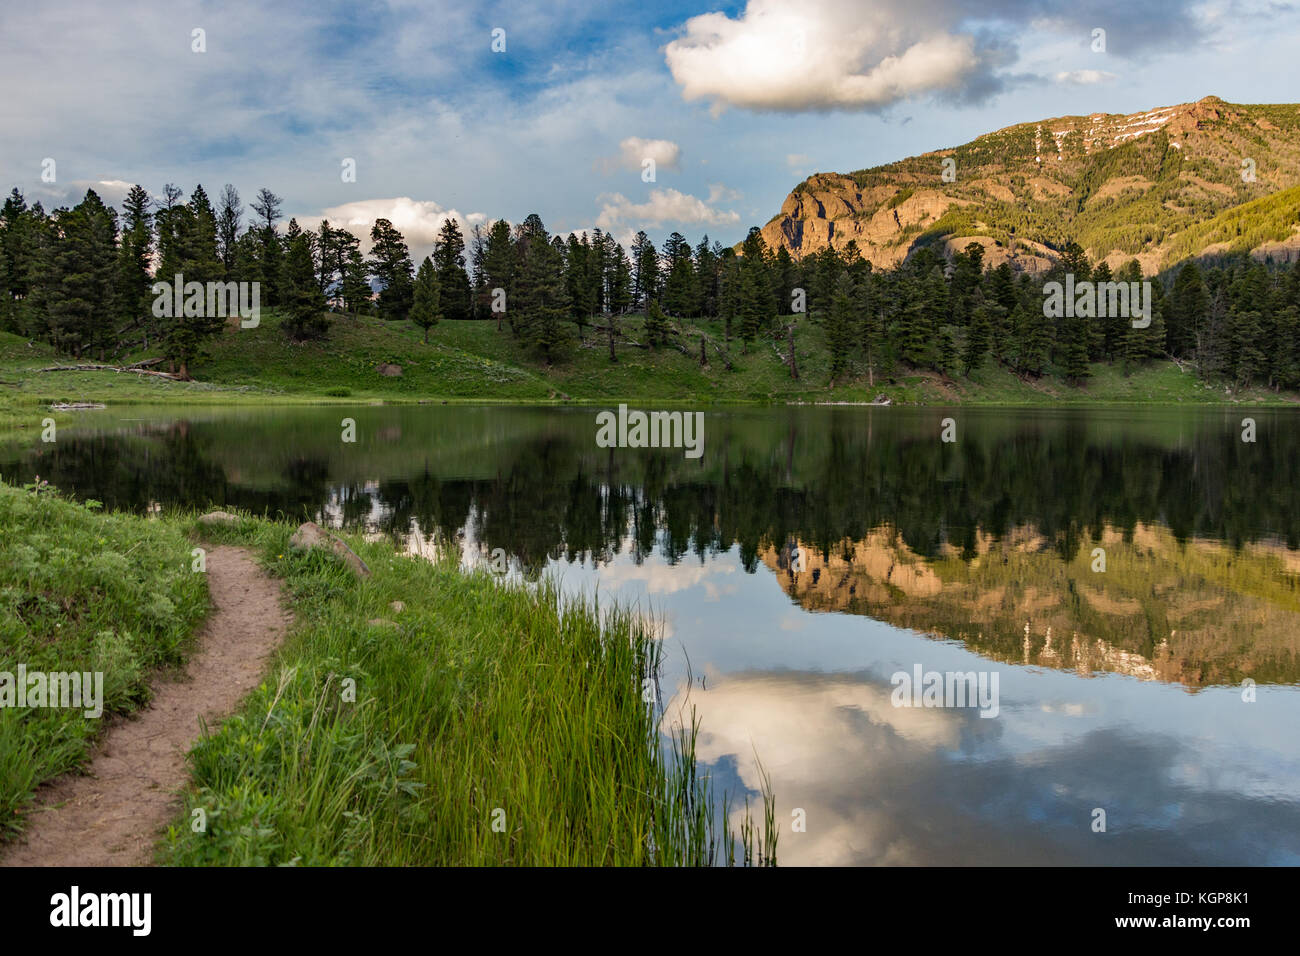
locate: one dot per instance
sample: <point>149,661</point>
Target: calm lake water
<point>1127,577</point>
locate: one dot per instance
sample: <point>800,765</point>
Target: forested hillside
<point>1131,202</point>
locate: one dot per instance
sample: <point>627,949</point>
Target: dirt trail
<point>112,815</point>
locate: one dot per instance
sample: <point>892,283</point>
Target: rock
<point>881,399</point>
<point>311,535</point>
<point>389,371</point>
<point>380,622</point>
<point>397,607</point>
<point>218,517</point>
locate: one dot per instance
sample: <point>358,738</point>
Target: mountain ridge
<point>1123,186</point>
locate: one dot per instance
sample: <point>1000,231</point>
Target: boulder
<point>389,371</point>
<point>218,518</point>
<point>311,535</point>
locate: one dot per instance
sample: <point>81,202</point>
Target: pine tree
<point>499,265</point>
<point>1072,347</point>
<point>355,289</point>
<point>978,336</point>
<point>201,262</point>
<point>680,290</point>
<point>326,261</point>
<point>20,233</point>
<point>543,299</point>
<point>1188,312</point>
<point>875,341</point>
<point>230,214</point>
<point>620,283</point>
<point>1249,360</point>
<point>79,272</point>
<point>645,270</point>
<point>304,303</point>
<point>750,302</point>
<point>449,258</point>
<point>390,264</point>
<point>271,253</point>
<point>134,299</point>
<point>1031,337</point>
<point>577,279</point>
<point>839,325</point>
<point>656,325</point>
<point>947,360</point>
<point>474,265</point>
<point>425,303</point>
<point>706,275</point>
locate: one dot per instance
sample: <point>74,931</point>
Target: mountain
<point>1162,185</point>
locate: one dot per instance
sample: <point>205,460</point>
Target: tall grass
<point>484,724</point>
<point>83,591</point>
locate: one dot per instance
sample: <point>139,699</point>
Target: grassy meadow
<point>473,362</point>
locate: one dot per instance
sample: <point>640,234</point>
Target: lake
<point>1063,636</point>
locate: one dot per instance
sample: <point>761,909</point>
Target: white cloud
<point>823,54</point>
<point>634,151</point>
<point>664,205</point>
<point>718,192</point>
<point>1084,77</point>
<point>832,745</point>
<point>418,220</point>
<point>657,577</point>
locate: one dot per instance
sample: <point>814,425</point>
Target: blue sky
<point>736,101</point>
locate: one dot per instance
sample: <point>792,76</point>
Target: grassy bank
<point>475,723</point>
<point>473,362</point>
<point>480,724</point>
<point>80,591</point>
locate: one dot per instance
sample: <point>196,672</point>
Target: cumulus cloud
<point>634,151</point>
<point>418,220</point>
<point>664,205</point>
<point>719,192</point>
<point>1084,77</point>
<point>797,55</point>
<point>827,54</point>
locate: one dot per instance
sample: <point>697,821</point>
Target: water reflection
<point>812,553</point>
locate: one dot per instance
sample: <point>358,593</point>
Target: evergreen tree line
<point>82,278</point>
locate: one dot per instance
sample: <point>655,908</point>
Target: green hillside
<point>473,362</point>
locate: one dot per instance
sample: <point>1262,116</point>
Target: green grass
<point>380,738</point>
<point>404,742</point>
<point>473,362</point>
<point>83,591</point>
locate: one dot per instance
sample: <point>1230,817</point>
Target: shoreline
<point>467,720</point>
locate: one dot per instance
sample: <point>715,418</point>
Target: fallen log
<point>114,368</point>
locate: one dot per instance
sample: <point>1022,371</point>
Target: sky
<point>497,110</point>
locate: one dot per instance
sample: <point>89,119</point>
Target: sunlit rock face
<point>1060,171</point>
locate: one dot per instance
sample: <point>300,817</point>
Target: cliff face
<point>1158,186</point>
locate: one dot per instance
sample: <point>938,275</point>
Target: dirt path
<point>112,815</point>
